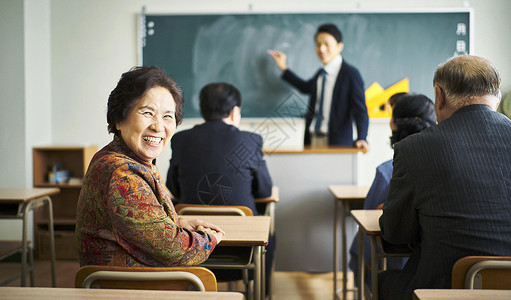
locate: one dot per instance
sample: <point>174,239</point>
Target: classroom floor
<point>286,285</point>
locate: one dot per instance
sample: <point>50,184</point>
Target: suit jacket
<point>216,163</point>
<point>348,105</point>
<point>450,193</point>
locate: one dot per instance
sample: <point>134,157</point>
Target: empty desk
<point>15,204</point>
<point>343,194</point>
<point>94,294</point>
<point>424,294</point>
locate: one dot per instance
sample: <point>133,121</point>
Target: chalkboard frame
<point>288,98</point>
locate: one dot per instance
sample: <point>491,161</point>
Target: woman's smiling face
<point>149,126</point>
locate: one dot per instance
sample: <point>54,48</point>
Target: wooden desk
<point>461,294</point>
<point>345,194</point>
<point>94,294</point>
<point>26,200</point>
<point>368,224</point>
<point>240,231</point>
<point>367,220</point>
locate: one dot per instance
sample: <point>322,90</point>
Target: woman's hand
<point>280,59</point>
<point>217,234</point>
<point>183,223</point>
<point>200,225</point>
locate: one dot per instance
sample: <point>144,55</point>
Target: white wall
<point>25,106</point>
<point>38,109</point>
<point>12,106</point>
<point>12,95</point>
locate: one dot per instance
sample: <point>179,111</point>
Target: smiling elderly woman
<point>125,216</point>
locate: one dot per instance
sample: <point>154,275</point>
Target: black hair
<point>330,29</point>
<point>217,100</point>
<point>411,113</point>
<point>132,86</point>
<point>394,98</point>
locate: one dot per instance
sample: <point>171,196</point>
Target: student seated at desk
<point>215,163</point>
<point>124,215</point>
<point>411,113</point>
<point>450,192</point>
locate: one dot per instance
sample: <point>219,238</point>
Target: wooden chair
<point>146,278</point>
<point>222,210</point>
<point>486,272</point>
<point>222,257</point>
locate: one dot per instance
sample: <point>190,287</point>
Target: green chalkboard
<point>385,47</point>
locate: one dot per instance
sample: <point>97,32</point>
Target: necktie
<point>319,113</point>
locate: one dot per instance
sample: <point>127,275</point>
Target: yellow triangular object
<point>373,90</point>
<point>376,98</point>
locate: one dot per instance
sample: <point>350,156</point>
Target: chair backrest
<point>486,272</point>
<point>224,210</point>
<point>146,278</point>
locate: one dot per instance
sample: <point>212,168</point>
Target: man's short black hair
<point>330,29</point>
<point>217,100</point>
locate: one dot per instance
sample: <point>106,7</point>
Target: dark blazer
<point>348,105</point>
<point>450,194</point>
<point>216,163</point>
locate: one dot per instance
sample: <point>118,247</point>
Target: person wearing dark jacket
<point>450,192</point>
<point>337,98</point>
<point>215,163</point>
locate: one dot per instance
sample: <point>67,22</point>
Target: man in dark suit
<point>336,92</point>
<point>450,192</point>
<point>215,163</point>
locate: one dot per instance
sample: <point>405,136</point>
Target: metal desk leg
<point>24,247</point>
<point>27,249</point>
<point>263,272</point>
<point>31,206</point>
<point>336,246</point>
<point>374,269</point>
<point>52,241</point>
<point>31,263</point>
<point>361,268</point>
<point>257,273</point>
<point>345,207</point>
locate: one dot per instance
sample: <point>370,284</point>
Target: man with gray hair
<point>450,192</point>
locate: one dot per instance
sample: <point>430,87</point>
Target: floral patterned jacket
<point>125,216</point>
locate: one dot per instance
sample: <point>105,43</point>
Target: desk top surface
<point>323,150</point>
<point>84,294</point>
<point>349,192</point>
<point>25,195</point>
<point>274,197</point>
<point>461,294</point>
<point>367,219</point>
<point>239,231</point>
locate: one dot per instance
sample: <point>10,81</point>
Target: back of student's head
<point>331,29</point>
<point>394,98</point>
<point>467,76</point>
<point>411,113</point>
<point>217,100</point>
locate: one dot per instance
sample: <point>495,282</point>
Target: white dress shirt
<point>332,70</point>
